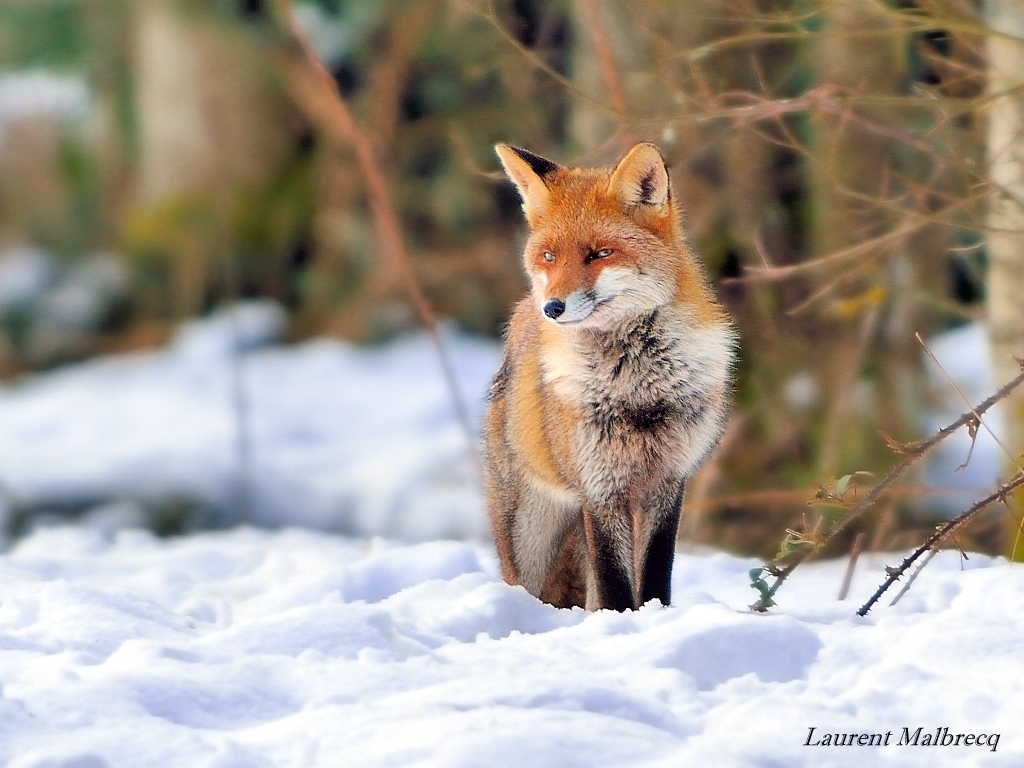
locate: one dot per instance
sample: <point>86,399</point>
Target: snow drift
<point>249,648</point>
<point>341,438</point>
<point>253,648</point>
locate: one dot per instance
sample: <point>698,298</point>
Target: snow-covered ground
<point>340,438</point>
<point>251,648</point>
<point>255,648</point>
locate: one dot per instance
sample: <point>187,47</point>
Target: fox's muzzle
<point>574,308</point>
<point>554,308</point>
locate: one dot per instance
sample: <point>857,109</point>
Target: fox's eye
<point>549,256</point>
<point>605,253</point>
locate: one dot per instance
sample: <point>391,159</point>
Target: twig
<point>317,94</point>
<point>858,545</point>
<point>785,272</point>
<point>980,422</point>
<point>609,72</point>
<point>9,502</point>
<point>913,576</point>
<point>489,14</point>
<point>912,455</point>
<point>240,406</point>
<point>894,574</point>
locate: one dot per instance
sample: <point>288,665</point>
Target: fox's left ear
<point>641,178</point>
<point>528,172</point>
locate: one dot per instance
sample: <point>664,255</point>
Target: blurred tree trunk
<point>849,168</point>
<point>213,123</point>
<point>1006,228</point>
<point>109,34</point>
<point>176,138</point>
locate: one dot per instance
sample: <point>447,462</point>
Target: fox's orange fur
<point>614,386</point>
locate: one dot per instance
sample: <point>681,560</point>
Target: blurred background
<point>206,317</point>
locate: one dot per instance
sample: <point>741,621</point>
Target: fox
<point>615,383</point>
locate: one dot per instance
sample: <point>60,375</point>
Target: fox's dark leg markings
<point>613,587</point>
<point>661,551</point>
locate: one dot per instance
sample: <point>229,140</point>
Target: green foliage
<point>42,33</point>
<point>758,583</point>
<point>268,221</point>
<point>83,174</point>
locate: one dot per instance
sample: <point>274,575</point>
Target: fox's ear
<point>641,178</point>
<point>527,172</point>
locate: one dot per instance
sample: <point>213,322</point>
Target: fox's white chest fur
<point>652,395</point>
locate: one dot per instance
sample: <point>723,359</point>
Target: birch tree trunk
<point>213,123</point>
<point>1005,288</point>
<point>178,151</point>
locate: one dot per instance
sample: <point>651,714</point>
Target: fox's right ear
<point>527,172</point>
<point>641,177</point>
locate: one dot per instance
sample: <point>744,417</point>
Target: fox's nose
<point>554,308</point>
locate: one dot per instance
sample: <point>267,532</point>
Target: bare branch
<point>609,72</point>
<point>858,544</point>
<point>912,455</point>
<point>318,96</point>
<point>936,538</point>
<point>913,577</point>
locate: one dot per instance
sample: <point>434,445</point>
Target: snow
<point>24,274</point>
<point>291,648</point>
<point>340,438</point>
<point>41,93</point>
<point>389,647</point>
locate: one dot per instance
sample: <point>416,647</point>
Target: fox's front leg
<point>609,540</point>
<point>655,540</point>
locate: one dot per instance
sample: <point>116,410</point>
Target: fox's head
<point>605,243</point>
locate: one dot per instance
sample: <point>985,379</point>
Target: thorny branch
<point>913,576</point>
<point>932,541</point>
<point>912,454</point>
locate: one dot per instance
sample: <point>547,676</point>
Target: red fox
<point>615,384</point>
